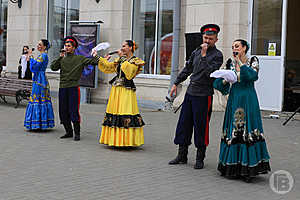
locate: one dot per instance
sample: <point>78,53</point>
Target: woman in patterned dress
<point>243,150</point>
<point>39,112</point>
<point>122,124</point>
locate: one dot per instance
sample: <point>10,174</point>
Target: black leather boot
<point>181,158</point>
<point>69,130</point>
<point>199,158</point>
<point>76,130</point>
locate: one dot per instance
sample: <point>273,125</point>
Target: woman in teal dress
<point>39,112</point>
<point>243,150</point>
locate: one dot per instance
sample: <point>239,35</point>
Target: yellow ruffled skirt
<point>122,124</point>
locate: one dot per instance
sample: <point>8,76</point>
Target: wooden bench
<point>19,88</point>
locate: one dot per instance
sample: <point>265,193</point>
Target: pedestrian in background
<point>2,62</point>
<point>24,71</point>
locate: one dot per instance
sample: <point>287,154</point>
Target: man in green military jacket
<point>71,67</point>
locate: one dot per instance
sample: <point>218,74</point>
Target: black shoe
<point>199,158</point>
<point>77,138</point>
<point>76,131</point>
<point>178,160</point>
<point>69,130</point>
<point>181,158</point>
<point>66,136</point>
<point>199,164</point>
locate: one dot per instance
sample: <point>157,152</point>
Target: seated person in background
<point>290,77</point>
<point>290,97</point>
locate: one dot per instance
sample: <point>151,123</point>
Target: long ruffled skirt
<point>243,149</point>
<point>122,124</point>
<point>39,112</point>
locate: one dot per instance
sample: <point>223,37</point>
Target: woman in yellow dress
<point>122,124</point>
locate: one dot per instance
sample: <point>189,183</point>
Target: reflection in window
<point>144,32</point>
<point>267,20</point>
<point>73,13</point>
<point>3,31</point>
<point>57,28</point>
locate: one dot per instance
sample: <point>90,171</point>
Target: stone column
<point>25,26</point>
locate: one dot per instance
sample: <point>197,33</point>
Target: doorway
<point>292,63</point>
<point>268,27</point>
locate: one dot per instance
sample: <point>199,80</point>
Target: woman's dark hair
<point>244,43</point>
<point>25,46</point>
<point>132,44</point>
<point>46,43</point>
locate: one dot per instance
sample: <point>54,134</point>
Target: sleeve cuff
<point>97,58</point>
<point>238,74</point>
<point>177,82</point>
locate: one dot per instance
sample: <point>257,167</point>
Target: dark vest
<point>125,82</point>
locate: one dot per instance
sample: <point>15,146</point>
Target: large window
<point>153,31</point>
<point>60,13</point>
<point>267,25</point>
<point>3,31</point>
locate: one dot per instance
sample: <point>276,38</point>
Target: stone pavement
<point>39,166</point>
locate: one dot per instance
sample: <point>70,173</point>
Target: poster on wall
<point>272,49</point>
<point>86,36</point>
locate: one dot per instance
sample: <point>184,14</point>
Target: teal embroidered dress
<point>243,150</point>
<point>39,112</point>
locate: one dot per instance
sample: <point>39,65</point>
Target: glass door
<point>268,41</point>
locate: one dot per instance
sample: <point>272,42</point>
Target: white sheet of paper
<point>228,75</point>
<point>101,46</point>
<point>24,65</point>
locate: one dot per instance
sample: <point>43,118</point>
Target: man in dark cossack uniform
<point>197,105</point>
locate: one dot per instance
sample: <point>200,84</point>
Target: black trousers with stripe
<point>69,101</point>
<point>194,116</point>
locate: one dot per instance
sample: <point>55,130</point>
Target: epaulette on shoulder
<point>116,60</point>
<point>137,61</point>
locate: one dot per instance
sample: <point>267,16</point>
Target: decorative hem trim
<point>123,121</point>
<point>249,141</point>
<point>236,170</point>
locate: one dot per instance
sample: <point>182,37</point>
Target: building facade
<point>153,24</point>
